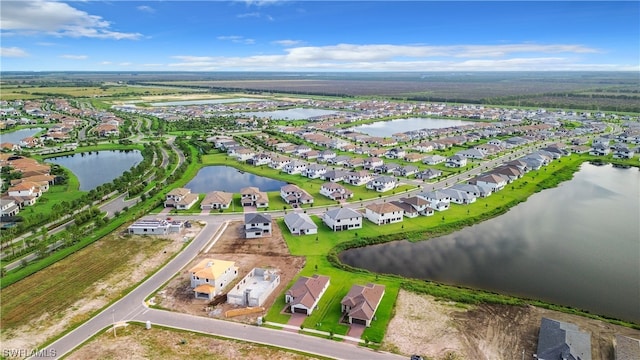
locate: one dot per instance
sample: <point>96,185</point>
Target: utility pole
<point>113,316</point>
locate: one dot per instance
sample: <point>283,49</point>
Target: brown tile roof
<point>307,289</point>
<point>383,208</point>
<point>363,300</point>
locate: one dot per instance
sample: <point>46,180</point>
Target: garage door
<point>300,311</point>
<point>359,321</point>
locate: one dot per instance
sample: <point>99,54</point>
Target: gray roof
<point>299,221</point>
<point>254,218</point>
<point>342,213</point>
<point>561,340</point>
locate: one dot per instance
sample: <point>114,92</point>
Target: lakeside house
<point>304,295</point>
<point>361,302</point>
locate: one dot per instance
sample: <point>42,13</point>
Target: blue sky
<point>272,35</point>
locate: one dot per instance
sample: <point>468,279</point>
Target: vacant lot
<point>437,329</point>
<point>134,342</point>
<point>270,252</point>
<point>67,292</point>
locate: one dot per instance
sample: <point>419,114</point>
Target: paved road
<point>131,305</point>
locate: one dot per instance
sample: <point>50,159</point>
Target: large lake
<point>15,136</point>
<point>96,168</point>
<point>206,102</point>
<point>226,178</point>
<point>576,245</point>
<point>291,114</point>
<point>388,128</point>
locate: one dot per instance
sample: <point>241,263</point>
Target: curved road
<point>132,308</point>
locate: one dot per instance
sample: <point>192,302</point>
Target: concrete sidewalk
<point>314,331</point>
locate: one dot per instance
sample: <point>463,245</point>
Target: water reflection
<point>96,168</point>
<point>577,245</point>
<point>229,179</point>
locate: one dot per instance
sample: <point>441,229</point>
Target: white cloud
<point>237,39</point>
<point>287,42</point>
<point>73,57</point>
<point>125,63</point>
<point>12,52</point>
<point>57,19</point>
<point>385,57</point>
<point>152,65</point>
<point>249,15</point>
<point>145,8</point>
<point>105,63</point>
<point>262,2</point>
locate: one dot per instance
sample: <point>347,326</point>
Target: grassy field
<point>57,287</point>
<point>14,92</point>
<point>164,343</point>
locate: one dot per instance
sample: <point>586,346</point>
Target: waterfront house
<point>361,302</point>
<point>342,219</point>
<point>383,213</point>
<point>294,195</point>
<point>180,198</point>
<point>303,297</point>
<point>216,200</point>
<point>300,224</point>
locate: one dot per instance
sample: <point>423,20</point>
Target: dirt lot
<point>440,330</point>
<point>270,252</point>
<point>136,343</point>
<point>140,256</point>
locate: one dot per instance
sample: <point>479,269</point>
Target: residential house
<point>209,277</point>
<point>433,160</point>
<point>25,189</point>
<point>424,147</point>
<point>359,178</point>
<point>339,160</point>
<point>304,295</point>
<point>252,196</point>
<point>373,162</point>
<point>278,162</point>
<point>437,199</point>
<point>326,155</point>
<point>562,340</point>
<point>456,161</point>
<point>395,153</point>
<point>342,219</point>
<point>406,171</point>
<point>216,200</point>
<point>388,168</point>
<point>413,157</point>
<point>459,196</point>
<point>473,190</point>
<point>622,151</point>
<point>472,153</point>
<point>354,162</point>
<point>244,154</point>
<point>314,171</point>
<point>155,227</point>
<point>335,175</point>
<point>335,191</point>
<point>257,225</point>
<point>407,210</point>
<point>254,289</point>
<point>429,174</point>
<point>293,195</point>
<point>309,155</point>
<point>180,198</point>
<point>300,224</point>
<point>383,183</point>
<point>295,167</point>
<point>495,182</point>
<point>361,302</point>
<point>260,159</point>
<point>421,205</point>
<point>8,207</point>
<point>383,213</point>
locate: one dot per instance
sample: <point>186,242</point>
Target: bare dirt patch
<point>267,252</point>
<point>123,259</point>
<point>134,342</point>
<point>441,330</point>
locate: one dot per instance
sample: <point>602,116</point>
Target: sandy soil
<point>441,330</point>
<point>134,342</point>
<point>37,332</point>
<point>270,252</point>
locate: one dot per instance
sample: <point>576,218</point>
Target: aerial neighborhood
<point>330,183</point>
